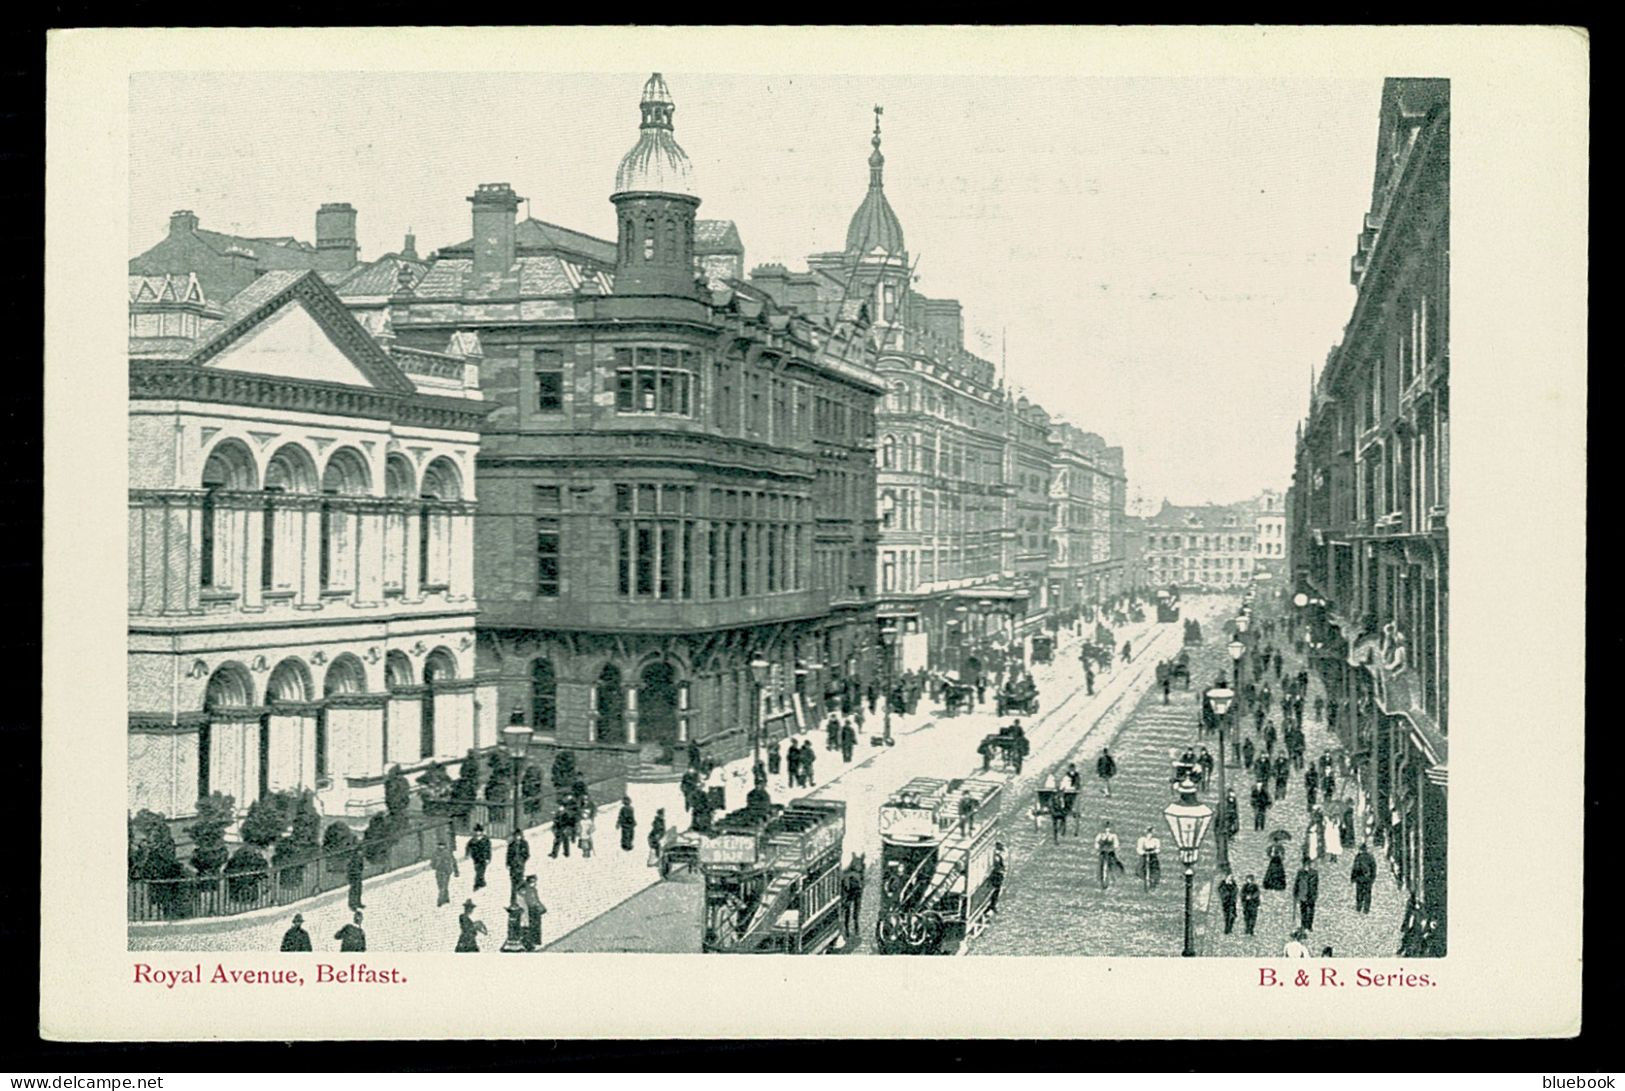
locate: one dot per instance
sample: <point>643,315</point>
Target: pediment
<point>292,344</point>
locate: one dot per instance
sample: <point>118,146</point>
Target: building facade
<point>677,531</point>
<point>1269,535</point>
<point>1370,499</point>
<point>1208,546</point>
<point>301,584</point>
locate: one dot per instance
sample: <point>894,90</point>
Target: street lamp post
<point>515,742</point>
<point>888,638</point>
<point>1188,820</point>
<point>760,671</point>
<point>1219,699</point>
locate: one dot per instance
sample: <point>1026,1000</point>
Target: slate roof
<point>376,278</point>
<point>166,288</point>
<point>541,275</point>
<point>717,237</point>
<point>540,237</point>
<point>1202,516</point>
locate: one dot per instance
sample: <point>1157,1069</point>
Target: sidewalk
<point>1337,925</point>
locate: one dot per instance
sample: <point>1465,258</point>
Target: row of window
<point>1176,541</point>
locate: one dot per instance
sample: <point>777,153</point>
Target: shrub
<point>337,843</point>
<point>397,798</point>
<point>564,769</point>
<point>303,841</point>
<point>267,820</point>
<point>379,838</point>
<point>435,783</point>
<point>530,790</point>
<point>208,833</point>
<point>246,874</point>
<point>466,790</point>
<point>152,856</point>
<point>499,787</point>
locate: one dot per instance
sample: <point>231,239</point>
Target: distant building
<point>1368,520</point>
<point>301,512</point>
<point>1269,538</point>
<point>1207,546</point>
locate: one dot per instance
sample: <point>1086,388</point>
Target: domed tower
<point>874,225</point>
<point>655,204</point>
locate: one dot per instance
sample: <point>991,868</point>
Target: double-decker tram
<point>773,879</point>
<point>937,843</point>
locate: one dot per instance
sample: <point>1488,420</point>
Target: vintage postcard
<point>990,506</point>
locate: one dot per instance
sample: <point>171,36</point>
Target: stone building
<point>676,478</point>
<point>1087,499</point>
<point>1028,523</point>
<point>1370,498</point>
<point>1206,546</point>
<point>301,610</point>
<point>1269,535</point>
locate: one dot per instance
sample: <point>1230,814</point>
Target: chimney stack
<point>410,250</point>
<point>182,222</point>
<point>495,206</point>
<point>336,248</point>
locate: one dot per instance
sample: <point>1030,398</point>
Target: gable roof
<point>376,278</point>
<point>717,237</point>
<point>541,237</point>
<point>245,311</point>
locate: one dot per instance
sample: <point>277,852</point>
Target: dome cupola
<point>656,163</point>
<point>874,224</point>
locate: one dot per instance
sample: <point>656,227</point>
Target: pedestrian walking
<point>995,877</point>
<point>1232,814</point>
<point>355,868</point>
<point>1283,773</point>
<point>1332,838</point>
<point>517,857</point>
<point>561,833</point>
<point>657,836</point>
<point>1106,769</point>
<point>1227,901</point>
<point>1261,805</point>
<point>626,822</point>
<point>1149,849</point>
<point>351,937</point>
<point>469,930</point>
<point>1306,891</point>
<point>586,825</point>
<point>1328,783</point>
<point>1311,785</point>
<point>852,896</point>
<point>849,741</point>
<point>1128,654</point>
<point>1247,753</point>
<point>1275,871</point>
<point>531,899</point>
<point>296,938</point>
<point>444,863</point>
<point>1205,760</point>
<point>1269,738</point>
<point>1363,874</point>
<point>807,759</point>
<point>1295,947</point>
<point>1057,817</point>
<point>479,851</point>
<point>1088,682</point>
<point>1165,687</point>
<point>1106,851</point>
<point>1250,899</point>
<point>792,765</point>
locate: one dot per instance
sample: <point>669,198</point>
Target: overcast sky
<point>1167,258</point>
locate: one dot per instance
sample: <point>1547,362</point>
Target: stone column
<point>412,589</point>
<point>250,519</point>
<point>682,711</point>
<point>369,553</point>
<point>632,715</point>
<point>305,552</point>
<point>462,552</point>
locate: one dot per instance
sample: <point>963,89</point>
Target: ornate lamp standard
<point>760,671</point>
<point>1188,820</point>
<point>515,742</point>
<point>1219,699</point>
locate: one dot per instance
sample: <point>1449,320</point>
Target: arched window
<point>670,252</point>
<point>290,470</point>
<point>609,699</point>
<point>230,686</point>
<point>888,453</point>
<point>345,675</point>
<point>346,475</point>
<point>400,485</point>
<point>544,696</point>
<point>229,467</point>
<point>441,482</point>
<point>441,666</point>
<point>888,508</point>
<point>648,238</point>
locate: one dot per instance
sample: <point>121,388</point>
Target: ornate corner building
<point>1369,544</point>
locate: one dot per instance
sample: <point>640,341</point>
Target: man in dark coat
<point>807,759</point>
<point>1232,814</point>
<point>1306,891</point>
<point>296,938</point>
<point>354,869</point>
<point>479,851</point>
<point>1247,753</point>
<point>1227,901</point>
<point>851,896</point>
<point>518,855</point>
<point>849,741</point>
<point>1261,805</point>
<point>1364,874</point>
<point>1251,896</point>
<point>995,877</point>
<point>627,823</point>
<point>1269,739</point>
<point>1311,785</point>
<point>351,937</point>
<point>1089,681</point>
<point>561,832</point>
<point>1106,768</point>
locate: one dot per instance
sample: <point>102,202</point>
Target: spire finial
<point>877,161</point>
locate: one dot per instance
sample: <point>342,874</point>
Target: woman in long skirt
<point>1334,838</point>
<point>1275,873</point>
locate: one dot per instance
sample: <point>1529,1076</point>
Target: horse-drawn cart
<point>1043,649</point>
<point>1018,697</point>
